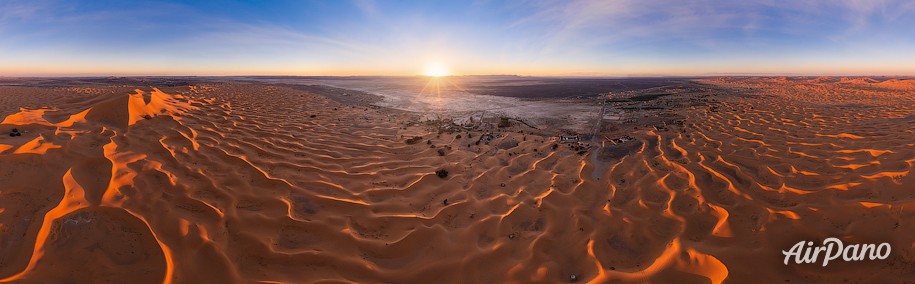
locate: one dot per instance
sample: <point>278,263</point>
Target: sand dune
<point>236,182</point>
<point>898,84</point>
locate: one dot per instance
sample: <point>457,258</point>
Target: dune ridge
<point>237,182</point>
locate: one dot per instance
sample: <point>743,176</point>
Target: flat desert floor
<point>227,181</point>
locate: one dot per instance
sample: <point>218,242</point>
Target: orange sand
<point>234,182</point>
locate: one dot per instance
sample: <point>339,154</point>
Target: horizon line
<point>707,75</point>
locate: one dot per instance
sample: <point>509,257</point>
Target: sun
<point>436,70</point>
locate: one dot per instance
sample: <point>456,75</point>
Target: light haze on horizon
<point>365,37</point>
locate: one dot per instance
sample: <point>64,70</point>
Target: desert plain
<point>453,180</point>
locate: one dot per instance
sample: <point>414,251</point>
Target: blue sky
<point>365,37</point>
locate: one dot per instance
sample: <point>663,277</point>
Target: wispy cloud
<point>368,7</point>
<point>701,22</point>
<point>22,10</point>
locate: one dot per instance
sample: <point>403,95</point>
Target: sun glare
<point>436,70</point>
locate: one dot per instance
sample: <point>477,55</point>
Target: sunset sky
<point>563,38</point>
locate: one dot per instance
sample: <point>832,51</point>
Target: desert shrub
<point>414,140</point>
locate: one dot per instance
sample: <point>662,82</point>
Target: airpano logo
<point>833,249</point>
